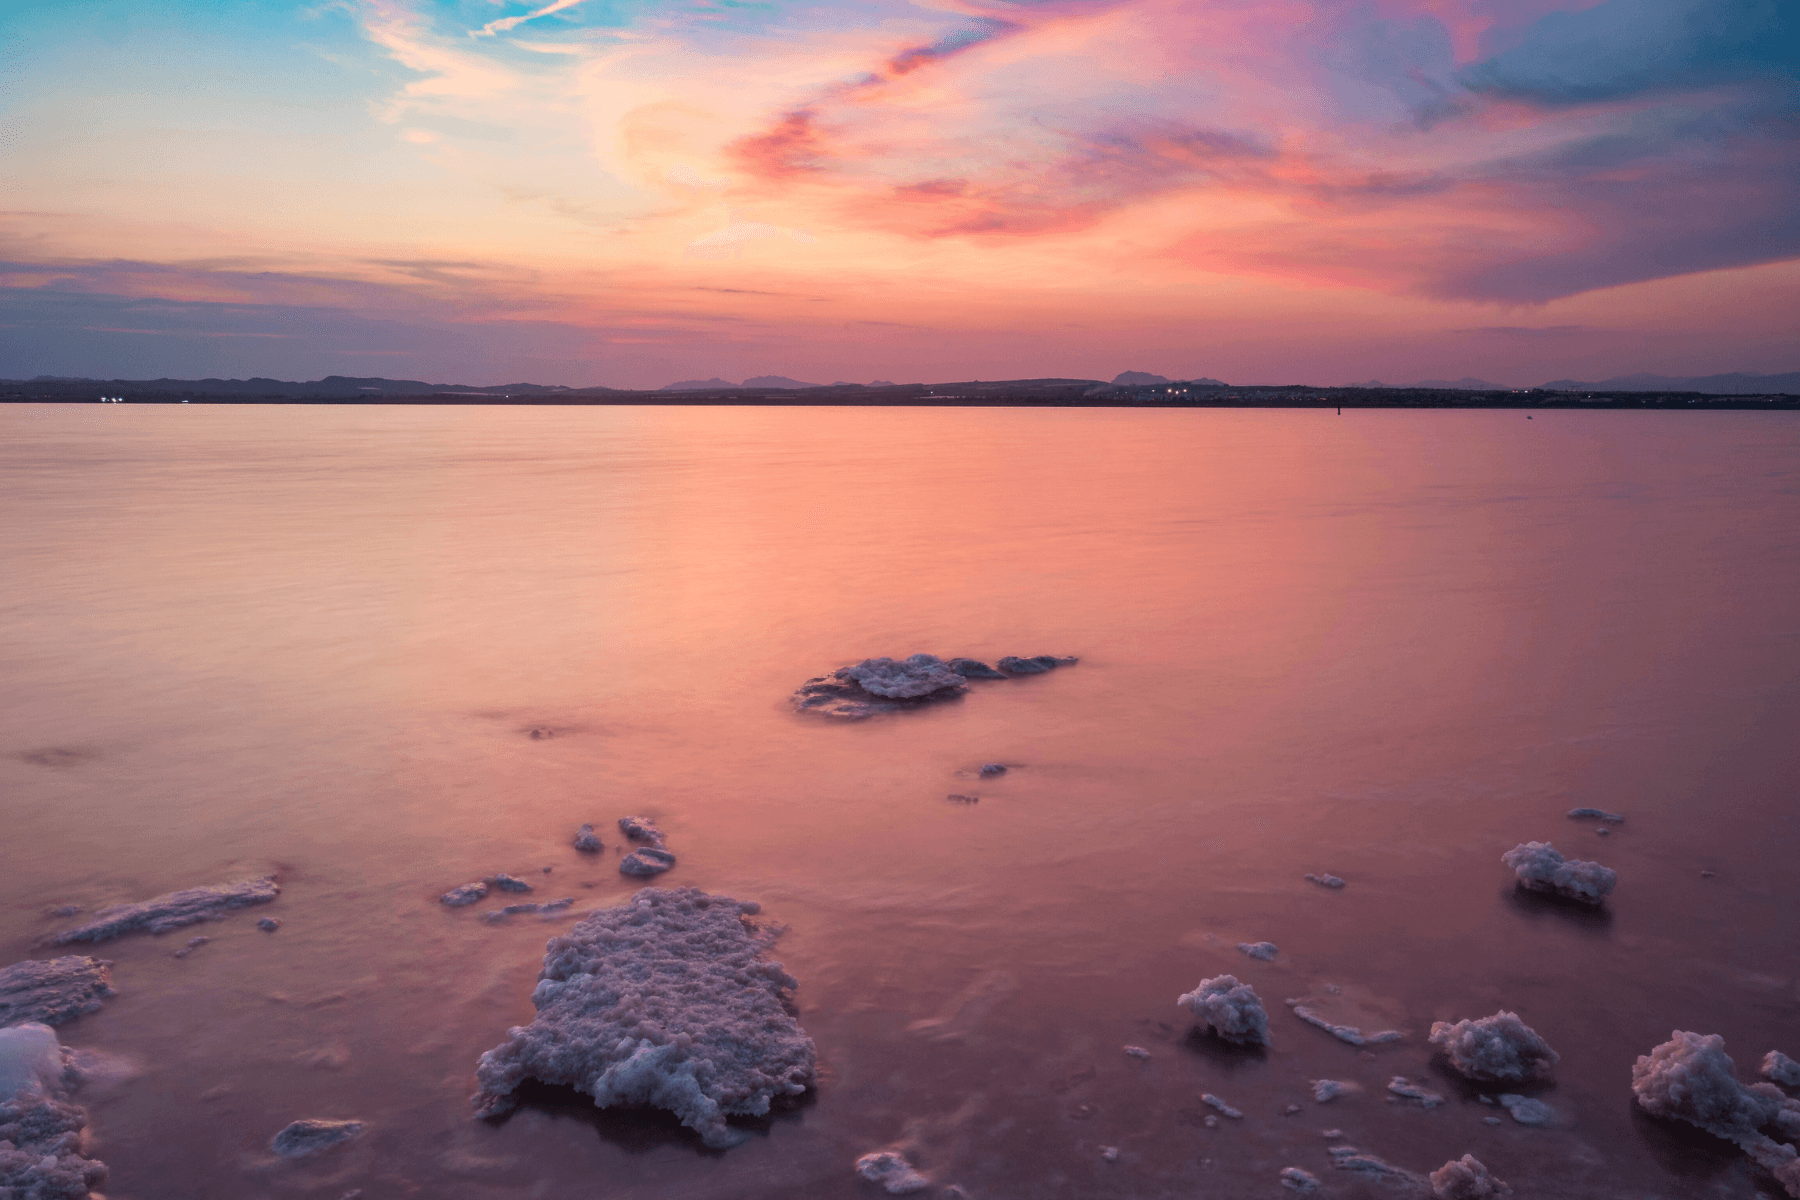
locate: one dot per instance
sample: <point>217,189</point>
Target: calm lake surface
<point>1386,645</point>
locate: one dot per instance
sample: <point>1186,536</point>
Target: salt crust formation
<point>1259,950</point>
<point>55,990</point>
<point>587,840</point>
<point>468,893</point>
<point>1330,881</point>
<point>1349,1158</point>
<point>1296,1180</point>
<point>1344,1033</point>
<point>1466,1178</point>
<point>1541,869</point>
<point>1496,1049</point>
<point>1225,1110</point>
<point>892,1172</point>
<point>547,908</point>
<point>40,1130</point>
<point>879,685</point>
<point>1691,1078</point>
<point>662,1001</point>
<point>1233,1009</point>
<point>1406,1089</point>
<point>641,829</point>
<point>647,860</point>
<point>1527,1111</point>
<point>507,883</point>
<point>311,1136</point>
<point>174,910</point>
<point>1576,814</point>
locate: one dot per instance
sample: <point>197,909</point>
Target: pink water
<point>1385,645</point>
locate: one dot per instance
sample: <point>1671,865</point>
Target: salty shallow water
<point>1385,645</point>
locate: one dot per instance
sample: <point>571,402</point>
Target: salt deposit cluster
<point>1692,1079</point>
<point>173,910</point>
<point>881,685</point>
<point>1233,1009</point>
<point>1496,1049</point>
<point>53,991</point>
<point>42,1133</point>
<point>664,1001</point>
<point>1541,869</point>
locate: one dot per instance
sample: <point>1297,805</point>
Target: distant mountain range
<point>1467,383</point>
<point>331,385</point>
<point>1737,383</point>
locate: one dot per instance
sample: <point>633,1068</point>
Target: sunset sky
<point>627,193</point>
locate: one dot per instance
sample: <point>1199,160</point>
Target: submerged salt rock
<point>641,829</point>
<point>1233,1009</point>
<point>1406,1089</point>
<point>1137,1052</point>
<point>1325,1090</point>
<point>970,668</point>
<point>1259,950</point>
<point>1296,1180</point>
<point>1691,1078</point>
<point>40,1130</point>
<point>1349,1158</point>
<point>311,1136</point>
<point>1330,881</point>
<point>1496,1049</point>
<point>173,910</point>
<point>1781,1068</point>
<point>268,924</point>
<point>587,840</point>
<point>51,991</point>
<point>647,860</point>
<point>1466,1178</point>
<point>661,1001</point>
<point>507,883</point>
<point>1037,664</point>
<point>468,893</point>
<point>548,907</point>
<point>1576,814</point>
<point>892,1172</point>
<point>878,685</point>
<point>1224,1109</point>
<point>1109,1154</point>
<point>1541,869</point>
<point>989,769</point>
<point>1344,1033</point>
<point>1527,1111</point>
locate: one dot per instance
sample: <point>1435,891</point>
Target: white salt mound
<point>1781,1068</point>
<point>1259,950</point>
<point>1466,1178</point>
<point>1527,1111</point>
<point>586,840</point>
<point>892,1172</point>
<point>646,860</point>
<point>1232,1009</point>
<point>52,991</point>
<point>468,893</point>
<point>1541,869</point>
<point>1404,1088</point>
<point>1500,1048</point>
<point>173,910</point>
<point>1296,1180</point>
<point>1690,1077</point>
<point>311,1136</point>
<point>662,1001</point>
<point>41,1133</point>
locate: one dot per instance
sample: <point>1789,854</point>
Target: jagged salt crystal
<point>892,1172</point>
<point>1224,1108</point>
<point>1500,1048</point>
<point>1233,1009</point>
<point>51,991</point>
<point>1691,1078</point>
<point>173,910</point>
<point>662,1001</point>
<point>1466,1178</point>
<point>1403,1087</point>
<point>1542,869</point>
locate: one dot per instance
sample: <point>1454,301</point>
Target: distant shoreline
<point>1010,394</point>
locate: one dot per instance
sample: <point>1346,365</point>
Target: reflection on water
<point>1387,646</point>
